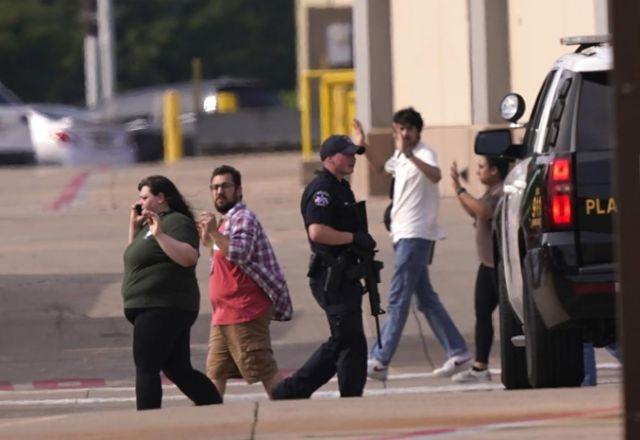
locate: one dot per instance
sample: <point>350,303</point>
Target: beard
<point>223,205</point>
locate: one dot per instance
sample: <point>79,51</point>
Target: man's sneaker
<point>376,370</point>
<point>472,376</point>
<point>454,365</point>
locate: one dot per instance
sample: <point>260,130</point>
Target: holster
<point>315,265</point>
<point>335,273</point>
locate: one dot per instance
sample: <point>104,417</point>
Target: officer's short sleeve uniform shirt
<point>328,201</point>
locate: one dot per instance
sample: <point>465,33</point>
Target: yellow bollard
<point>172,129</point>
<point>325,108</point>
<point>339,115</point>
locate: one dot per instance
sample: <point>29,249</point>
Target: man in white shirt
<point>414,230</point>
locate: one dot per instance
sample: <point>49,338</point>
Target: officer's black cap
<point>339,144</point>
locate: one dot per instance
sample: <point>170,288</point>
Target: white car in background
<point>59,134</point>
<point>15,142</point>
<point>68,135</point>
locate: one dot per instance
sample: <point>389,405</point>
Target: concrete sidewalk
<point>587,414</point>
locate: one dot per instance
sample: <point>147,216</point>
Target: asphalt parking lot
<point>65,347</point>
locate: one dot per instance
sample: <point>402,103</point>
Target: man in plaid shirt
<point>246,287</point>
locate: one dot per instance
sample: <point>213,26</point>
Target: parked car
<point>69,135</point>
<point>553,228</point>
<point>15,142</point>
<point>60,134</point>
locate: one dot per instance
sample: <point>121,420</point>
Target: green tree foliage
<point>41,50</point>
<point>41,43</point>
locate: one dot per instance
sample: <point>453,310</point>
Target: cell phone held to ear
<point>138,208</point>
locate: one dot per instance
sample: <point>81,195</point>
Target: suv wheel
<point>513,360</point>
<point>554,357</point>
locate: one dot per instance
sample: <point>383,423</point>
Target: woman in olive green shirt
<point>161,295</point>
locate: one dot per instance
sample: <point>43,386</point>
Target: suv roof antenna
<point>585,41</point>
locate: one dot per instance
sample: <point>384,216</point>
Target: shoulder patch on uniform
<point>321,198</point>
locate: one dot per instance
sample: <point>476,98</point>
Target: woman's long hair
<point>160,184</point>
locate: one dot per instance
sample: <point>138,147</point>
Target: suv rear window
<point>593,129</point>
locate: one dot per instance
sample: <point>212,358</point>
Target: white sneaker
<point>376,370</point>
<point>453,365</point>
<point>472,376</point>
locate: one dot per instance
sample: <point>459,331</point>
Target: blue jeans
<point>590,372</point>
<point>411,276</point>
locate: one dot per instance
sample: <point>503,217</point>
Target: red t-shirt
<point>234,296</point>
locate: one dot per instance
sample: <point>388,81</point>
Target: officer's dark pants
<point>345,353</point>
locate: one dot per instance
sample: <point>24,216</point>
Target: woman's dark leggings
<point>485,301</point>
<point>161,343</point>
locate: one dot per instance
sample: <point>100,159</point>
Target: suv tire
<point>513,359</point>
<point>554,357</point>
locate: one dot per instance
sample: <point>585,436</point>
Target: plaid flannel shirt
<point>250,250</point>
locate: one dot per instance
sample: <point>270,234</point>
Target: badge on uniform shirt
<point>321,198</point>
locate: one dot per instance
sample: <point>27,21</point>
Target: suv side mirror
<point>512,107</point>
<point>497,143</point>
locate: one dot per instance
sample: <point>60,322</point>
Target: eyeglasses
<point>222,186</point>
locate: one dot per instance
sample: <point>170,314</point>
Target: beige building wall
<point>430,59</point>
<point>535,29</point>
<point>431,72</point>
<point>431,62</point>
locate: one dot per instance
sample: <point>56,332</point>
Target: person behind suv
<point>491,172</point>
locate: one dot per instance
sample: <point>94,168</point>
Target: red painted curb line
<point>70,191</point>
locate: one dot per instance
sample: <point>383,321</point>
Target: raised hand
<point>208,222</point>
<point>455,176</point>
<point>153,219</point>
<point>207,225</point>
<point>398,142</point>
<point>134,218</point>
<point>358,133</point>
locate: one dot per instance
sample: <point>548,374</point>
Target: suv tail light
<point>560,194</point>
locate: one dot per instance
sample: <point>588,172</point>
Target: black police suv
<point>553,236</point>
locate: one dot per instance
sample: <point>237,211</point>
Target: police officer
<point>330,221</point>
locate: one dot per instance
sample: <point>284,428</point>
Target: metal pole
<point>106,46</point>
<point>196,74</point>
<point>625,16</point>
<point>91,84</point>
<point>90,71</point>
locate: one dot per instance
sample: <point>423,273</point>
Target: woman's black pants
<point>161,343</point>
<point>486,301</point>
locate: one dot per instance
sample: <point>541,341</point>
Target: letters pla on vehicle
<point>596,206</point>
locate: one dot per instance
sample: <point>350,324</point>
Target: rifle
<point>370,268</point>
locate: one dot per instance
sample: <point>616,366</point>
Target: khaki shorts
<point>241,350</point>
